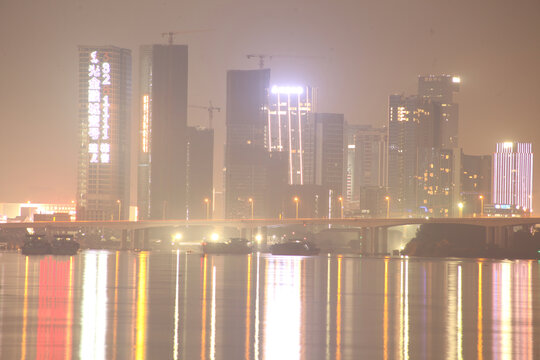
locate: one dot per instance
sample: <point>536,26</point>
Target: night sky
<point>356,52</point>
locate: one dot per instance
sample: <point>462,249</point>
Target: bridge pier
<point>499,236</point>
<point>382,247</point>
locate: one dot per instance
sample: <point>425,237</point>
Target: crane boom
<point>211,108</point>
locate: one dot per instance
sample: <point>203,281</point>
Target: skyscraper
<point>513,175</point>
<point>104,128</point>
<point>422,134</point>
<point>475,182</point>
<point>200,170</point>
<point>406,124</point>
<point>246,153</point>
<point>440,90</point>
<point>287,116</point>
<point>324,154</point>
<point>163,132</point>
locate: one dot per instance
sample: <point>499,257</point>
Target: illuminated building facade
<point>513,175</point>
<point>422,137</point>
<point>287,116</point>
<point>440,89</point>
<point>407,118</point>
<point>104,124</point>
<point>161,192</point>
<point>436,182</point>
<point>475,182</point>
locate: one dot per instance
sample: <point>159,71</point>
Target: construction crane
<point>263,57</point>
<point>170,35</point>
<point>211,108</point>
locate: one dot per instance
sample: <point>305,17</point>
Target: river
<point>175,305</point>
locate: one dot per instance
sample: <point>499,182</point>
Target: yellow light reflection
<point>25,310</point>
<point>328,271</point>
<point>480,343</point>
<point>115,315</point>
<point>257,299</point>
<point>338,310</point>
<point>528,320</point>
<point>459,315</point>
<point>69,316</point>
<point>203,311</point>
<point>385,311</point>
<point>248,308</point>
<point>140,344</point>
<point>176,310</point>
<point>213,317</point>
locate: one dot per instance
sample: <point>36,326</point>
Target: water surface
<point>173,305</point>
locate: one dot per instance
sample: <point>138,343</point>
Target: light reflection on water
<point>116,305</point>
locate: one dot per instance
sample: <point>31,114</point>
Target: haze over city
<point>355,53</point>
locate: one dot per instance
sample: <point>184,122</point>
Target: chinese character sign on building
<point>99,89</point>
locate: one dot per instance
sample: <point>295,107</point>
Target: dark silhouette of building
<point>324,155</point>
<point>104,128</point>
<point>475,182</point>
<point>246,155</point>
<point>200,165</point>
<point>163,132</point>
<point>365,169</point>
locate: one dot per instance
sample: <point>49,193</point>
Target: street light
<point>207,202</point>
<point>296,200</point>
<point>460,207</point>
<point>481,197</point>
<point>119,208</point>
<point>341,205</point>
<point>387,198</point>
<point>250,200</point>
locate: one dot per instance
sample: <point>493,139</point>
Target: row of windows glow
<point>99,82</point>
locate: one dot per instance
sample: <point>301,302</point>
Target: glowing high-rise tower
<point>513,175</point>
<point>104,130</point>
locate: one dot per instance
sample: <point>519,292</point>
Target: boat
<point>295,247</point>
<point>64,245</point>
<point>36,245</point>
<point>232,246</point>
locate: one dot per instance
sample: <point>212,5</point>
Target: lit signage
<point>456,79</point>
<point>288,90</point>
<point>99,88</point>
<point>145,122</point>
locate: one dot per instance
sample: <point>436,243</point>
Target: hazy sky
<point>355,52</point>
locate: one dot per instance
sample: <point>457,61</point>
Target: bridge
<point>498,229</point>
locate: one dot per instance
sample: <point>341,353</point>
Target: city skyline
<point>496,95</point>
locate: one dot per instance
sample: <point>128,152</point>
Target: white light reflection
<point>459,314</point>
<point>175,343</point>
<point>94,306</point>
<point>452,312</point>
<point>257,321</point>
<point>502,311</point>
<point>213,317</point>
<point>283,309</point>
<point>404,311</point>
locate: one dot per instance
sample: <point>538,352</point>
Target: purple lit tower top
<point>513,175</point>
